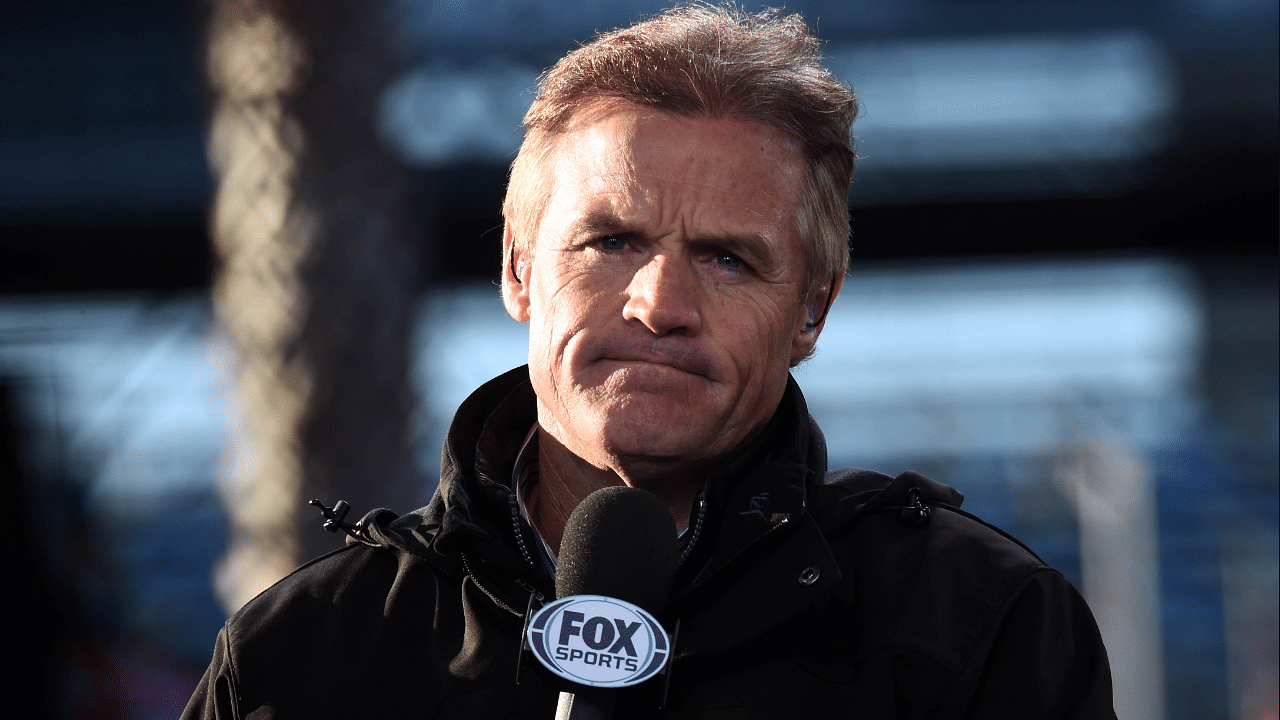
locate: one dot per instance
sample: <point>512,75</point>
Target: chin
<point>669,435</point>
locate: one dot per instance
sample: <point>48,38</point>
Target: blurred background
<point>248,255</point>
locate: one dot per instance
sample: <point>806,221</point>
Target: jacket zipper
<point>515,523</point>
<point>514,505</point>
<point>467,566</point>
<point>695,529</point>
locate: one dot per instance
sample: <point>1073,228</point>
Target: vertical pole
<point>316,277</point>
<point>1114,495</point>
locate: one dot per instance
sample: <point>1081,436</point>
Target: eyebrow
<point>597,222</point>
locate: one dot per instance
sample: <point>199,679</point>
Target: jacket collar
<point>754,505</point>
<point>471,509</point>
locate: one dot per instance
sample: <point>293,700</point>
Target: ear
<point>515,277</point>
<point>814,319</point>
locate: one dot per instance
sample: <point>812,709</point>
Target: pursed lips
<point>684,362</point>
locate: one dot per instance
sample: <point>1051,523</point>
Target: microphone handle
<point>587,704</point>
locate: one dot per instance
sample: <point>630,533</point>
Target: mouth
<point>690,363</point>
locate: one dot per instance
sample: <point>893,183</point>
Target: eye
<point>731,261</point>
<point>611,243</point>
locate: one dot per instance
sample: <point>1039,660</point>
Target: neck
<point>565,480</point>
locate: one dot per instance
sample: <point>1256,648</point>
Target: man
<point>675,232</point>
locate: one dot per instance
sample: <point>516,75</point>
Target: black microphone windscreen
<point>620,542</point>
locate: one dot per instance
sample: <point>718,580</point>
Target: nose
<point>663,296</point>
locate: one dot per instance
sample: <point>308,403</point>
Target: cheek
<point>759,334</point>
<point>561,309</point>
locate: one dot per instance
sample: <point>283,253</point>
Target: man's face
<point>664,289</point>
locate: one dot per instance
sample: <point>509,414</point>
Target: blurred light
<point>436,117</point>
<point>1006,358</point>
<point>253,56</point>
<point>122,390</point>
<point>1010,101</point>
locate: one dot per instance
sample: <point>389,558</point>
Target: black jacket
<point>806,594</point>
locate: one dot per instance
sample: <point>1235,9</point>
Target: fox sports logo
<point>598,641</point>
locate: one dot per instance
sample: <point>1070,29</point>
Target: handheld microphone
<point>617,561</point>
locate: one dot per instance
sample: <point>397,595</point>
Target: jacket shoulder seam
<point>1039,564</point>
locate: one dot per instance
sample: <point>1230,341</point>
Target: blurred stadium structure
<point>316,281</point>
<point>1063,299</point>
